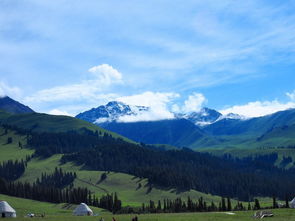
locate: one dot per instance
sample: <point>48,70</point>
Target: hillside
<point>126,185</point>
<point>36,122</point>
<point>178,132</point>
<point>253,126</point>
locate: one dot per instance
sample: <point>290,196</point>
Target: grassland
<point>12,151</point>
<point>132,191</point>
<point>37,122</point>
<point>63,212</point>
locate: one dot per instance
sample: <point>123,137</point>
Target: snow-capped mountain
<point>232,116</point>
<point>203,117</point>
<point>110,112</point>
<point>115,111</point>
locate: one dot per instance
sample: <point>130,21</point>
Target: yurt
<point>83,210</point>
<point>6,210</point>
<point>292,203</point>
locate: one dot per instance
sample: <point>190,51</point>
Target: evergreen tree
<point>256,204</point>
<point>223,205</point>
<point>229,208</point>
<point>287,202</point>
<point>274,202</point>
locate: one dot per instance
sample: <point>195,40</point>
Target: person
<point>114,219</point>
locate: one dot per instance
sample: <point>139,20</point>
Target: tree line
<point>185,169</point>
<point>56,195</point>
<point>58,179</point>
<point>12,170</point>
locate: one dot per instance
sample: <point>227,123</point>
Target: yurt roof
<point>5,207</point>
<point>82,207</point>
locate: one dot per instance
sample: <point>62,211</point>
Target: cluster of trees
<point>12,170</point>
<point>57,195</point>
<point>47,144</point>
<point>110,202</point>
<point>185,169</point>
<point>58,179</point>
<point>44,193</point>
<point>178,205</point>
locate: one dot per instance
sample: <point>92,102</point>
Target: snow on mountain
<point>232,116</point>
<point>115,111</point>
<point>111,112</point>
<point>203,117</point>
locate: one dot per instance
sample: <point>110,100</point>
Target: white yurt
<point>292,203</point>
<point>83,210</point>
<point>6,210</point>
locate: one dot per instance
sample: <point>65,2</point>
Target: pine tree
<point>229,208</point>
<point>274,203</point>
<point>223,206</point>
<point>287,202</point>
<point>256,204</point>
<point>249,206</point>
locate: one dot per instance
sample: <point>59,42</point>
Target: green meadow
<point>63,212</point>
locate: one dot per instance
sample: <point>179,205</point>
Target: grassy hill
<point>132,191</point>
<point>37,122</point>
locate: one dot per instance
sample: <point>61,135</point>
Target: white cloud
<point>6,90</point>
<point>59,112</point>
<point>157,103</point>
<point>194,102</point>
<point>258,108</point>
<point>104,75</point>
<point>291,95</point>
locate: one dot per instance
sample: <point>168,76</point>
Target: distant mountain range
<point>205,128</point>
<point>115,111</point>
<point>9,105</point>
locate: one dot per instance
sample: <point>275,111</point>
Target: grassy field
<point>63,212</point>
<point>131,190</point>
<point>12,151</point>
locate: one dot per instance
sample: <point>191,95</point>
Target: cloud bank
<point>102,77</point>
<point>261,108</point>
<point>6,90</point>
<point>157,103</point>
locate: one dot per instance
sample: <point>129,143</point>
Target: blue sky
<point>67,56</point>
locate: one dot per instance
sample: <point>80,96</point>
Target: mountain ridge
<point>12,106</point>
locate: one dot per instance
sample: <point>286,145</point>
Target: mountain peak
<point>11,106</point>
<point>110,112</point>
<point>203,117</point>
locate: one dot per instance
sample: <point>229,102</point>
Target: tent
<point>292,203</point>
<point>83,210</point>
<point>6,210</point>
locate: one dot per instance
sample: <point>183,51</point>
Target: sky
<point>67,56</point>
